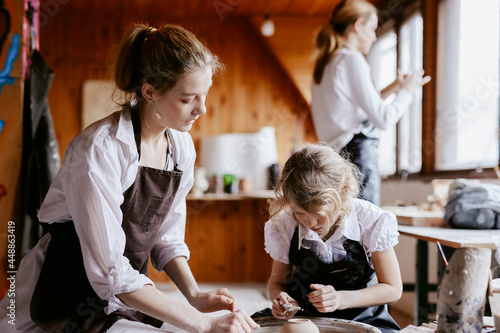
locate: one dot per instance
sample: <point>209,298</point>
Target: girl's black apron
<point>63,300</point>
<point>350,273</point>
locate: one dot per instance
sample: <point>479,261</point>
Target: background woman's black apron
<point>350,273</point>
<point>63,300</point>
<point>363,152</point>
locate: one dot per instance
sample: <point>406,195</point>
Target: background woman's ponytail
<point>329,38</point>
<point>327,42</point>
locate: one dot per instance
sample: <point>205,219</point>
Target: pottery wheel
<point>325,325</point>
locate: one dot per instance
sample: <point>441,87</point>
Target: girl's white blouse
<point>98,166</point>
<point>375,229</point>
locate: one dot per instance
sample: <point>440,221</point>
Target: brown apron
<point>63,300</point>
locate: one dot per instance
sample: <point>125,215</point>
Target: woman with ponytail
<point>347,109</point>
<point>119,200</point>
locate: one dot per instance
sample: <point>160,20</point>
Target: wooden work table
<point>456,238</point>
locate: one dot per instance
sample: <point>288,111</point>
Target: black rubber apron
<point>63,300</point>
<point>350,273</point>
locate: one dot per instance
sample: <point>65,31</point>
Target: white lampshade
<point>267,27</point>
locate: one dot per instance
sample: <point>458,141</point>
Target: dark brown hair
<point>158,57</point>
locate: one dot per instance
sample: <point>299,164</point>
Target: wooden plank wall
<point>226,241</point>
<point>225,238</point>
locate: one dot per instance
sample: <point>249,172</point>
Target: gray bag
<point>473,205</point>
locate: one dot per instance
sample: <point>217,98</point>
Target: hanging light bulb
<point>267,27</point>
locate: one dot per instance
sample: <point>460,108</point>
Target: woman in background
<point>347,109</point>
<point>119,199</point>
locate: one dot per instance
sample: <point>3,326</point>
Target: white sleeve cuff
<point>160,258</point>
<point>404,97</point>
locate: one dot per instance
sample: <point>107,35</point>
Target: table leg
<point>421,284</point>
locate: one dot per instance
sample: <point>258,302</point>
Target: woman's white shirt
<point>375,229</point>
<point>346,101</point>
<point>99,165</point>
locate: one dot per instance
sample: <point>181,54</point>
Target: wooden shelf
<point>262,194</point>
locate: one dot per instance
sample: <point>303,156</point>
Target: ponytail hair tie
<point>150,31</point>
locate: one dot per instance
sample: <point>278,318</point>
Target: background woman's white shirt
<point>375,229</point>
<point>346,100</point>
<point>99,165</point>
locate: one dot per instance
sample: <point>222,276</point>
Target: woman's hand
<point>215,300</point>
<point>279,311</point>
<point>407,81</point>
<point>235,322</point>
<point>413,80</point>
<point>325,298</point>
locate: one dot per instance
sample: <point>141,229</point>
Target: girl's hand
<point>325,298</point>
<point>215,300</point>
<point>237,321</point>
<point>279,311</point>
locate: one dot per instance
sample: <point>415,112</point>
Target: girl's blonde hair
<point>319,180</point>
<point>158,57</point>
<point>328,39</point>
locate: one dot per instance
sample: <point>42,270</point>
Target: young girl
<point>333,254</point>
<point>346,107</point>
<point>119,199</point>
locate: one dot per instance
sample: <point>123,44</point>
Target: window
<point>467,116</point>
<point>400,147</point>
<point>468,84</point>
<point>383,59</point>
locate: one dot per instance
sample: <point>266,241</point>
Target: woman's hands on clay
<point>215,300</point>
<point>279,311</point>
<point>234,322</point>
<point>325,298</point>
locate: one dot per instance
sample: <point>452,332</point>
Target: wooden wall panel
<point>297,56</point>
<point>226,241</point>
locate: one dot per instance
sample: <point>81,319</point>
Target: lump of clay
<point>299,326</point>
